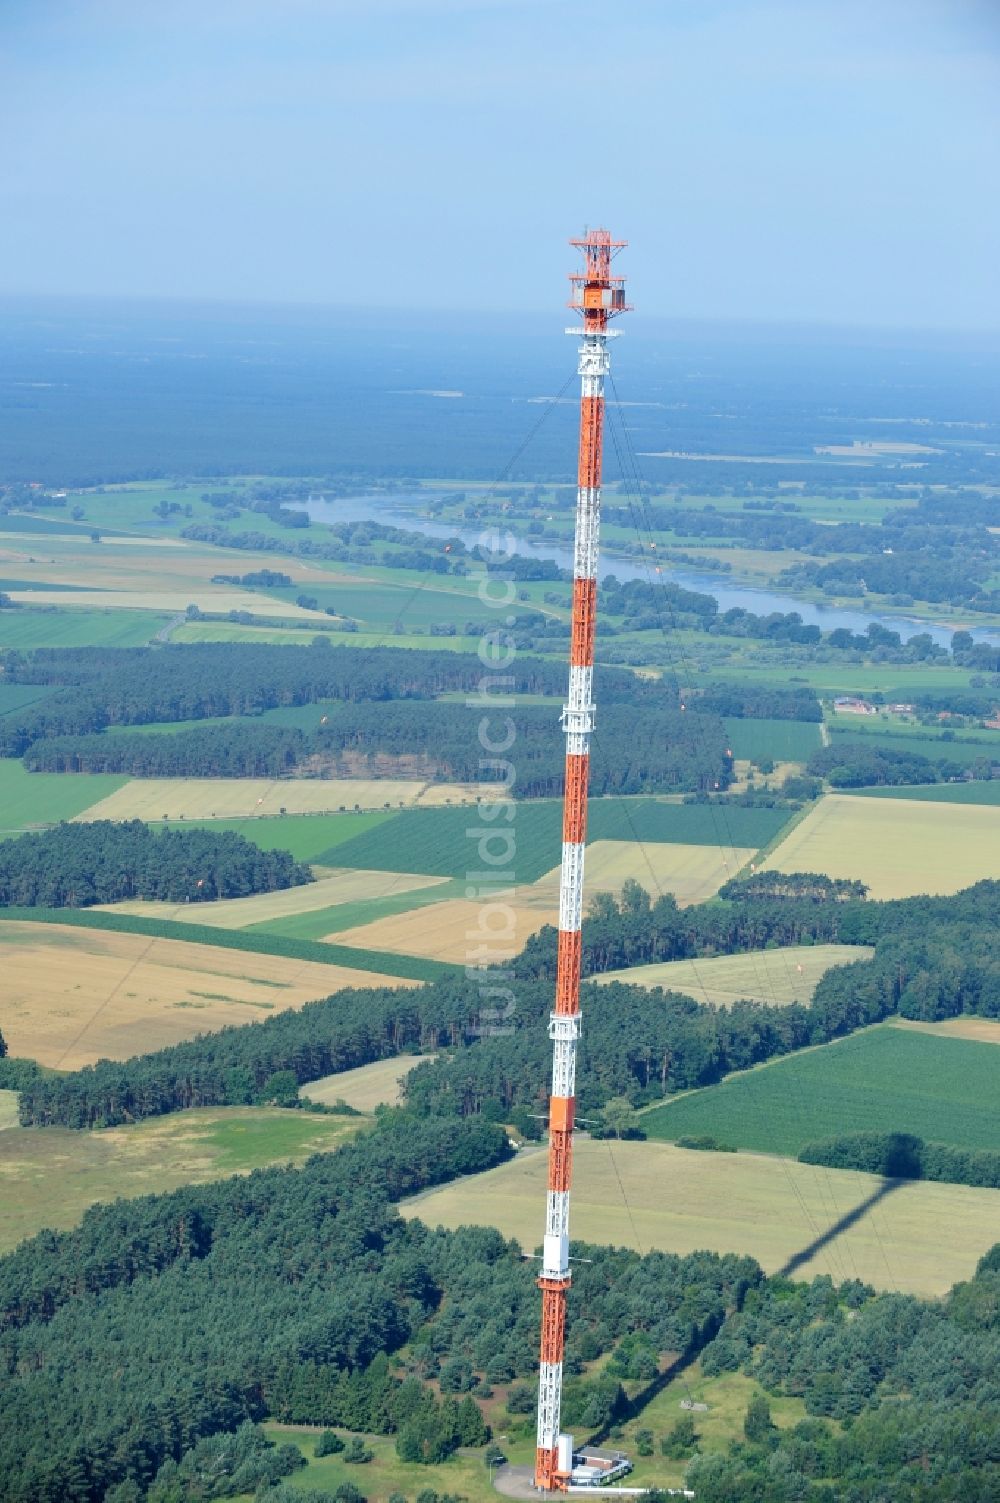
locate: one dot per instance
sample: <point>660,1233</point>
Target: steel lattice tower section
<point>598,296</point>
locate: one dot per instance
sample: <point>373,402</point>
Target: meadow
<point>49,1176</point>
<point>29,799</point>
<point>779,740</point>
<point>73,994</point>
<point>778,976</point>
<point>883,1079</point>
<point>916,1237</point>
<point>898,847</point>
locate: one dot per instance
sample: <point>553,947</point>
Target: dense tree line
<point>243,749</point>
<point>866,763</point>
<point>642,749</point>
<point>757,702</point>
<point>900,1155</point>
<point>100,688</point>
<point>75,865</point>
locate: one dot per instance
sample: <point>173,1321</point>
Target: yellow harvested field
<point>335,886</point>
<point>238,798</point>
<point>979,1030</point>
<point>367,1087</point>
<point>776,976</point>
<point>453,930</point>
<point>899,847</point>
<point>912,1236</point>
<point>691,872</point>
<point>72,996</point>
<point>175,576</point>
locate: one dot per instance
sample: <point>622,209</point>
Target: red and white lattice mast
<point>598,296</point>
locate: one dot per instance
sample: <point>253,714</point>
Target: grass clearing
<point>778,976</point>
<point>463,1475</point>
<point>899,847</point>
<point>920,1237</point>
<point>50,1175</point>
<point>30,799</point>
<point>884,1079</point>
<point>75,995</point>
<point>8,1109</point>
<point>367,1086</point>
<point>234,798</point>
<point>780,740</point>
<point>330,889</point>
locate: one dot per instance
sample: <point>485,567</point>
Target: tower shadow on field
<point>635,1405</point>
<point>841,1225</point>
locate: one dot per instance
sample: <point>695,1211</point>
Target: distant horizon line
<point>425,315</point>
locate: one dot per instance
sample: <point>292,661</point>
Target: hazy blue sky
<point>826,160</point>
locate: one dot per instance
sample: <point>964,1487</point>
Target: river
<point>404,510</point>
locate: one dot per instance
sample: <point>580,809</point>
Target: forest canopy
<point>75,865</point>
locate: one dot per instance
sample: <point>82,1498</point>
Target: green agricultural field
<point>436,840</point>
<point>781,740</point>
<point>28,524</point>
<point>25,628</point>
<point>900,848</point>
<point>884,1079</point>
<point>229,631</point>
<point>778,976</point>
<point>309,837</point>
<point>976,792</point>
<point>934,747</point>
<point>411,600</point>
<point>49,1176</point>
<point>44,798</point>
